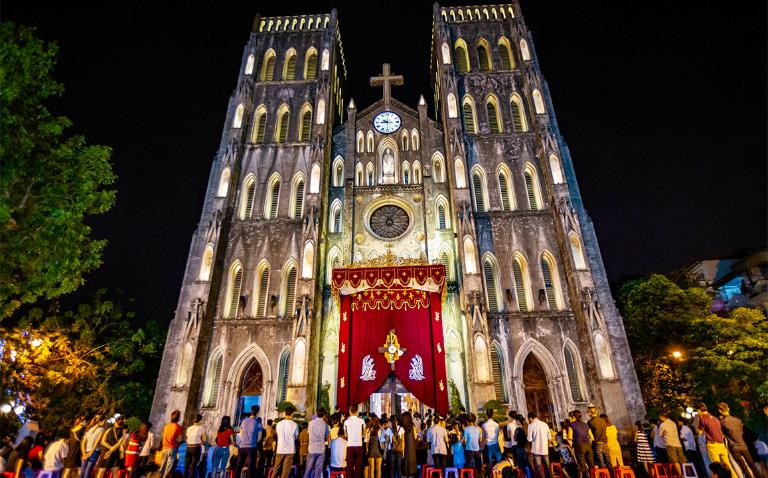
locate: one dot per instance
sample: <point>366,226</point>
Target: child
<point>507,463</point>
<point>457,449</point>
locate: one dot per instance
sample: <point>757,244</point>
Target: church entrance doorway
<point>537,395</point>
<point>250,391</point>
<point>393,398</point>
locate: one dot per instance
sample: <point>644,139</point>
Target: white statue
<point>388,166</point>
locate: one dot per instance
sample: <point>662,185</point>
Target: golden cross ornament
<point>391,349</point>
<point>386,80</point>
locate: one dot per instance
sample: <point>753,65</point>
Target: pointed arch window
<point>505,53</point>
<point>213,379</point>
<point>369,175</point>
<point>538,103</point>
<point>445,260</point>
<point>223,184</point>
<point>310,65</point>
<point>494,118</point>
<point>446,53</point>
<point>518,114</point>
<point>237,122</point>
<point>557,172</point>
<point>505,191</point>
<point>576,251</point>
<point>249,64</point>
<point>438,172</point>
<point>547,273</point>
<point>273,196</point>
<point>289,68</point>
<point>206,264</point>
<point>441,217</point>
<point>453,111</point>
<point>235,286</point>
<point>249,190</point>
<point>268,70</point>
<point>308,261</point>
<point>338,172</point>
<point>531,188</point>
<point>416,172</point>
<point>478,190</point>
<point>360,142</point>
<point>259,125</point>
<point>524,51</point>
<point>326,63</point>
<point>462,59</point>
<point>282,378</point>
<point>415,140</point>
<point>470,123</point>
<point>298,198</point>
<point>369,141</point>
<point>336,217</point>
<point>314,179</point>
<point>489,275</point>
<point>306,124</point>
<point>262,289</point>
<point>281,132</point>
<point>521,286</point>
<point>484,59</point>
<point>359,175</point>
<point>470,261</point>
<point>404,141</point>
<point>498,369</point>
<point>574,382</point>
<point>406,173</point>
<point>290,292</point>
<point>461,175</point>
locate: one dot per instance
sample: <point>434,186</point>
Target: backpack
<point>520,437</point>
<point>398,442</point>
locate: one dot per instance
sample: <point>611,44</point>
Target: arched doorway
<point>537,396</point>
<point>250,391</point>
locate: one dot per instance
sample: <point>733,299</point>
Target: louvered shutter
<point>250,193</point>
<point>290,292</point>
<point>262,298</point>
<point>506,59</point>
<point>573,378</point>
<point>234,299</point>
<point>273,200</point>
<point>490,286</point>
<point>461,60</point>
<point>517,271</point>
<point>482,55</point>
<point>290,68</point>
<point>477,183</point>
<point>469,118</point>
<point>306,126</point>
<point>517,116</point>
<point>215,379</point>
<point>498,384</point>
<point>493,117</point>
<point>506,205</point>
<point>548,287</point>
<point>337,220</point>
<point>441,217</point>
<point>298,201</point>
<point>262,127</point>
<point>312,67</point>
<point>531,193</point>
<point>269,70</point>
<point>283,128</point>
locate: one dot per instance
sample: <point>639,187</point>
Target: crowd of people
<point>363,445</point>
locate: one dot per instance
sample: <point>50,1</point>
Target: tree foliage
<point>723,358</point>
<point>49,182</point>
<point>91,359</point>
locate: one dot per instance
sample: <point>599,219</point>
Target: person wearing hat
<point>733,429</point>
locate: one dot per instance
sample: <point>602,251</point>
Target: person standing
<point>303,447</point>
<point>509,433</point>
<point>74,456</point>
<point>286,433</point>
<point>319,433</point>
<point>600,440</point>
<point>338,448</point>
<point>140,468</point>
<point>56,453</point>
<point>395,456</point>
<point>580,436</point>
<point>733,429</point>
<point>643,447</point>
<point>471,440</point>
<point>224,438</point>
<point>614,448</point>
<point>688,439</point>
<point>409,446</point>
<point>658,443</point>
<point>172,433</point>
<point>491,439</point>
<point>438,442</point>
<point>135,445</point>
<point>669,434</point>
<point>713,432</point>
<point>353,430</point>
<point>91,445</point>
<point>195,438</point>
<point>373,449</point>
<point>539,436</point>
<point>111,443</point>
<point>250,434</point>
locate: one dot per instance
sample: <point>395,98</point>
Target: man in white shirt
<point>437,437</point>
<point>195,437</point>
<point>89,446</point>
<point>491,438</point>
<point>56,453</point>
<point>509,432</point>
<point>318,436</point>
<point>286,433</point>
<point>538,436</point>
<point>353,429</point>
<point>669,434</point>
<point>339,452</point>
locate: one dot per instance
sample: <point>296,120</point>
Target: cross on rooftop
<point>386,80</point>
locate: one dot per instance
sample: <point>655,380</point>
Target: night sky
<point>663,106</point>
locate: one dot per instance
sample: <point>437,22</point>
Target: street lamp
<point>677,355</point>
<point>6,408</point>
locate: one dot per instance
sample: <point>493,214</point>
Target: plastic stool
<point>599,473</point>
<point>672,471</point>
<point>434,471</point>
<point>689,471</point>
<point>455,472</point>
<point>338,474</point>
<point>659,470</point>
<point>623,472</point>
<point>467,473</point>
<point>556,469</point>
<point>47,474</point>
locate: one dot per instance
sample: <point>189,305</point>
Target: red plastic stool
<point>556,470</point>
<point>689,471</point>
<point>467,473</point>
<point>659,470</point>
<point>520,473</point>
<point>599,473</point>
<point>623,472</point>
<point>338,474</point>
<point>431,472</point>
<point>672,471</point>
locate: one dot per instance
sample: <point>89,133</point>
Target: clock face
<point>386,122</point>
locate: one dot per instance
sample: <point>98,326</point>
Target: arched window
<point>272,197</point>
<point>370,174</point>
<point>282,377</point>
<point>335,218</point>
<point>314,179</point>
<point>310,65</point>
<point>268,67</point>
<point>321,112</point>
<point>297,198</point>
<point>338,172</point>
<point>499,376</point>
<point>359,175</point>
<point>495,123</point>
<point>326,63</point>
<point>404,141</point>
<point>470,123</point>
<point>532,188</point>
<point>518,114</point>
<point>308,261</point>
<point>233,291</point>
<point>259,125</point>
<point>461,175</point>
<point>482,370</point>
<point>441,213</point>
<point>332,263</point>
<point>360,142</point>
<point>249,64</point>
<point>453,110</point>
<point>261,291</point>
<point>289,65</point>
<point>574,381</point>
<point>415,140</point>
<point>576,251</point>
<point>505,190</point>
<point>460,54</point>
<point>281,132</point>
<point>306,123</point>
<point>299,357</point>
<point>445,260</point>
<point>185,365</point>
<point>416,172</point>
<point>223,184</point>
<point>549,275</point>
<point>249,193</point>
<point>538,103</point>
<point>505,53</point>
<point>369,141</point>
<point>478,190</point>
<point>491,289</point>
<point>238,121</point>
<point>289,291</point>
<point>406,173</point>
<point>604,357</point>
<point>483,56</point>
<point>519,273</point>
<point>446,52</point>
<point>213,378</point>
<point>557,172</point>
<point>206,264</point>
<point>470,253</point>
<point>524,52</point>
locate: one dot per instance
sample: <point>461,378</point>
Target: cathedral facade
<point>305,182</point>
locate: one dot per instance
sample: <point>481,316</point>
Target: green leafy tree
<point>49,182</point>
<point>455,397</point>
<point>324,397</point>
<point>91,359</point>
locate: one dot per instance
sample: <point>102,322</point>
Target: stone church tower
<point>303,183</point>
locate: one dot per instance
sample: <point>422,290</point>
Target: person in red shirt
<point>172,433</point>
<point>224,438</point>
<point>713,432</point>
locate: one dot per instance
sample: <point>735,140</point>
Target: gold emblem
<point>344,317</point>
<point>360,238</point>
<point>439,348</point>
<point>391,348</point>
<point>417,198</point>
<point>437,316</point>
<point>343,348</point>
<point>442,387</point>
<point>341,382</point>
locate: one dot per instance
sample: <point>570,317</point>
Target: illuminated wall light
<point>5,408</point>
